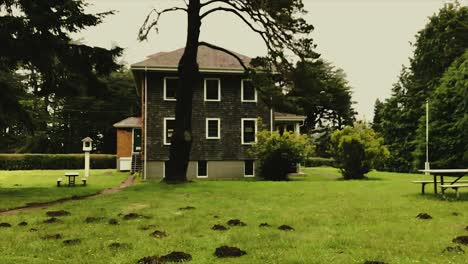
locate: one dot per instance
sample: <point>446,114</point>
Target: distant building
<point>226,110</point>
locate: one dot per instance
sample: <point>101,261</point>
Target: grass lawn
<point>18,188</point>
<point>335,222</point>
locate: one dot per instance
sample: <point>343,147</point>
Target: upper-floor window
<point>170,87</point>
<point>169,126</point>
<point>213,127</point>
<point>248,130</point>
<point>212,89</point>
<point>248,92</point>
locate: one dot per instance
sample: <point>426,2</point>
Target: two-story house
<point>226,114</point>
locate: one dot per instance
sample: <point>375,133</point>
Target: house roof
<point>288,117</point>
<point>130,122</point>
<point>209,60</point>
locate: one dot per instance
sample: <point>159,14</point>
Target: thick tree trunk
<point>181,144</point>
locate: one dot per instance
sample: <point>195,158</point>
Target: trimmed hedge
<point>54,161</point>
<point>318,162</point>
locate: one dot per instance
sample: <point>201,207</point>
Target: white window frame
<point>219,89</point>
<point>242,92</point>
<point>219,128</point>
<point>165,130</point>
<point>165,89</point>
<point>207,171</point>
<point>253,169</point>
<point>242,130</point>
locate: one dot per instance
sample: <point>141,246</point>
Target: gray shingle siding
<point>230,110</point>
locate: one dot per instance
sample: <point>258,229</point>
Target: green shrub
<point>54,161</point>
<point>357,150</point>
<point>318,162</point>
<point>278,155</point>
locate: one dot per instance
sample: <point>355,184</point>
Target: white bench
<point>455,187</point>
<point>59,181</point>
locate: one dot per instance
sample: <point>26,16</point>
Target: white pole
<point>86,164</point>
<point>426,164</point>
<point>146,126</point>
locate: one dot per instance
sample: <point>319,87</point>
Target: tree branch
<point>214,1</point>
<point>145,28</point>
<point>249,24</point>
<point>202,43</point>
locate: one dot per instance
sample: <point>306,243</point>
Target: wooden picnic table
<point>458,173</point>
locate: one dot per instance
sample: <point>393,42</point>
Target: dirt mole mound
<point>286,228</point>
<point>93,219</point>
<point>113,222</point>
<point>72,242</point>
<point>57,213</point>
<point>158,234</point>
<point>229,252</point>
<point>236,222</point>
<point>374,262</point>
<point>176,256</point>
<point>423,216</point>
<point>187,208</point>
<point>456,249</point>
<point>264,225</point>
<point>23,223</point>
<point>219,228</point>
<point>52,220</point>
<point>132,216</point>
<point>171,257</point>
<point>5,225</point>
<point>461,240</point>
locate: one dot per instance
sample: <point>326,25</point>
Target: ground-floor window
<point>202,169</point>
<point>249,168</point>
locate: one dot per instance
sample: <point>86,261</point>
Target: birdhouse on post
<point>87,147</point>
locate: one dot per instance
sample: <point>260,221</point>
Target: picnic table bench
<point>71,179</point>
<point>423,184</point>
<point>453,186</point>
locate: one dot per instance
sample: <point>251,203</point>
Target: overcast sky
<point>368,39</point>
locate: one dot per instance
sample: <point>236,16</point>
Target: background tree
<point>72,118</point>
<point>322,93</point>
<point>35,43</point>
<point>278,23</point>
<point>443,39</point>
<point>53,90</point>
<point>449,121</point>
<point>357,150</point>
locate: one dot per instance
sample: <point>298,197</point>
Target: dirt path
<point>32,206</point>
